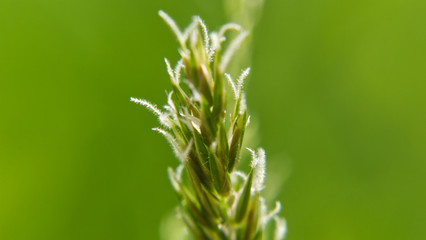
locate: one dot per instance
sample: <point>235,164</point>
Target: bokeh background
<point>337,94</point>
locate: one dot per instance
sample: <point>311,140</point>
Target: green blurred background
<point>337,94</point>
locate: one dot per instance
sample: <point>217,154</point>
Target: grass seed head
<point>216,201</point>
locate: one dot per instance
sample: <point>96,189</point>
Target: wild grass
<point>216,201</point>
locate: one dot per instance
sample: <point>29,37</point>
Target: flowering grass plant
<point>216,200</point>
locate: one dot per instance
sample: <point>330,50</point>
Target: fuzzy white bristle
<point>259,170</point>
<point>233,86</point>
<point>242,78</point>
<point>173,143</point>
<point>147,104</point>
<point>162,117</point>
<point>205,36</point>
<point>173,26</point>
<point>228,27</point>
<point>178,68</point>
<point>258,164</point>
<point>170,71</point>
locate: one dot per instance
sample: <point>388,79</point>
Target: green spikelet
<point>214,204</point>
